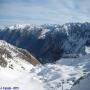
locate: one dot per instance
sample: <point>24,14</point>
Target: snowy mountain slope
<point>48,42</point>
<point>15,58</point>
<point>15,65</point>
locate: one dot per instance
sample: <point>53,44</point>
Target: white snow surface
<point>87,49</point>
<point>20,26</point>
<point>23,80</point>
<point>43,33</point>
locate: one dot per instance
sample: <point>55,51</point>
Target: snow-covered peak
<point>17,26</point>
<point>20,26</point>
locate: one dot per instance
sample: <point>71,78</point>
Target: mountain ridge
<point>49,43</point>
<point>13,57</point>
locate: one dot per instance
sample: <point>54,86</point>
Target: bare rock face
<point>28,57</point>
<point>10,55</point>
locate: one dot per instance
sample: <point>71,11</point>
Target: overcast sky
<point>44,11</point>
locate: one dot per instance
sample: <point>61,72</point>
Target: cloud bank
<point>44,11</point>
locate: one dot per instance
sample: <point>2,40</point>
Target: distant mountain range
<point>49,43</point>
